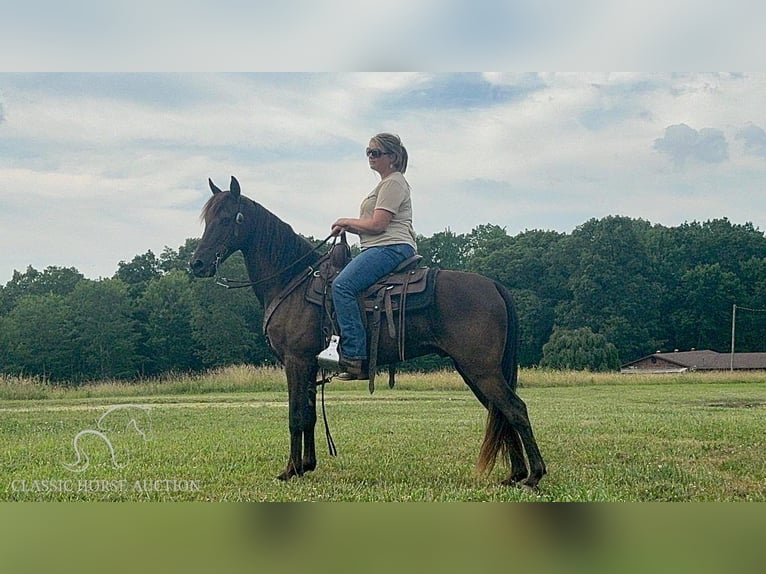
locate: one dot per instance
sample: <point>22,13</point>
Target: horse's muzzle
<point>199,269</point>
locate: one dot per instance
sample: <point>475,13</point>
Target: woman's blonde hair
<point>392,145</point>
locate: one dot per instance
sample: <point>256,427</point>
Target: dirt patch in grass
<point>735,403</point>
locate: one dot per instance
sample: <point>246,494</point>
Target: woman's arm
<point>374,225</point>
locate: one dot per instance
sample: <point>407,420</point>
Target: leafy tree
<point>37,338</point>
<point>737,249</point>
<point>536,323</point>
<point>613,286</point>
<point>139,272</point>
<point>520,262</point>
<point>168,306</point>
<point>177,260</point>
<point>444,249</point>
<point>716,241</point>
<point>527,264</point>
<point>751,325</point>
<point>227,324</point>
<point>52,280</point>
<point>579,349</point>
<point>640,287</point>
<point>105,333</point>
<point>485,239</point>
<point>704,320</point>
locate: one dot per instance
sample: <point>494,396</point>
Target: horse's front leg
<point>302,416</point>
<point>309,446</point>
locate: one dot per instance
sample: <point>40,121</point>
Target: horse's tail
<point>512,341</point>
<point>499,435</point>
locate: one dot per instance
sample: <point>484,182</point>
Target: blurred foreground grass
<point>566,538</point>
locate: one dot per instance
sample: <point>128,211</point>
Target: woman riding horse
<point>387,238</point>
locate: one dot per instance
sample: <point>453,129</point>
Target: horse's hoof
<point>532,482</point>
<point>515,479</point>
<point>288,473</point>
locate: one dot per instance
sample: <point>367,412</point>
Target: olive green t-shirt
<point>391,194</point>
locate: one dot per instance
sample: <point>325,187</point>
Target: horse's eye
<point>240,218</point>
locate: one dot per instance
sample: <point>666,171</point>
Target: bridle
<point>239,219</point>
<point>239,284</point>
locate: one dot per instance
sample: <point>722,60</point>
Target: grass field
<point>223,437</point>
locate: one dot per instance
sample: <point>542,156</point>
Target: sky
<point>96,168</point>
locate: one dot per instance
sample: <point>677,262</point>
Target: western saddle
<point>407,288</point>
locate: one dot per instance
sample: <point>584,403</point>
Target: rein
<point>333,450</point>
<point>239,284</point>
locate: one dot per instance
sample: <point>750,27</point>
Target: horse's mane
<point>277,240</point>
<point>210,209</point>
<point>274,238</point>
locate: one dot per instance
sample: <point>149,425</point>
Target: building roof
<point>703,360</point>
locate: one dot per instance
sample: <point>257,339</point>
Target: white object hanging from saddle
<point>330,358</point>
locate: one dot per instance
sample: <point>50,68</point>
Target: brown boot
<point>355,370</point>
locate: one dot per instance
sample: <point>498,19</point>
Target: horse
<point>472,320</point>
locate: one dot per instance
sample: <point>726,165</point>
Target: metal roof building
<point>680,361</point>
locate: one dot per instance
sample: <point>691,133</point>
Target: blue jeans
<point>361,272</point>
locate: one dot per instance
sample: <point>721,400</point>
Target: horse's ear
<point>234,187</point>
<point>213,187</point>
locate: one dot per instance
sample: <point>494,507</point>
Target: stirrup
<point>329,359</point>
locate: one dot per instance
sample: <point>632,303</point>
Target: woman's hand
<point>372,225</point>
<point>339,227</point>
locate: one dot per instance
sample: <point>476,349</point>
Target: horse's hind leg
<point>516,411</point>
<point>509,425</point>
<point>518,465</point>
<point>481,336</point>
<point>513,442</point>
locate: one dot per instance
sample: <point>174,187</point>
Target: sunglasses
<point>375,153</point>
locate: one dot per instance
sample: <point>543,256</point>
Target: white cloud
<point>428,34</point>
<point>681,143</point>
<point>97,169</point>
<point>755,139</point>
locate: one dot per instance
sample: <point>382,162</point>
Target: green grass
<point>223,437</point>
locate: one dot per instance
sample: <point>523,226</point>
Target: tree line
<point>611,291</point>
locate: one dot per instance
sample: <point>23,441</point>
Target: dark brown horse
<point>472,320</point>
